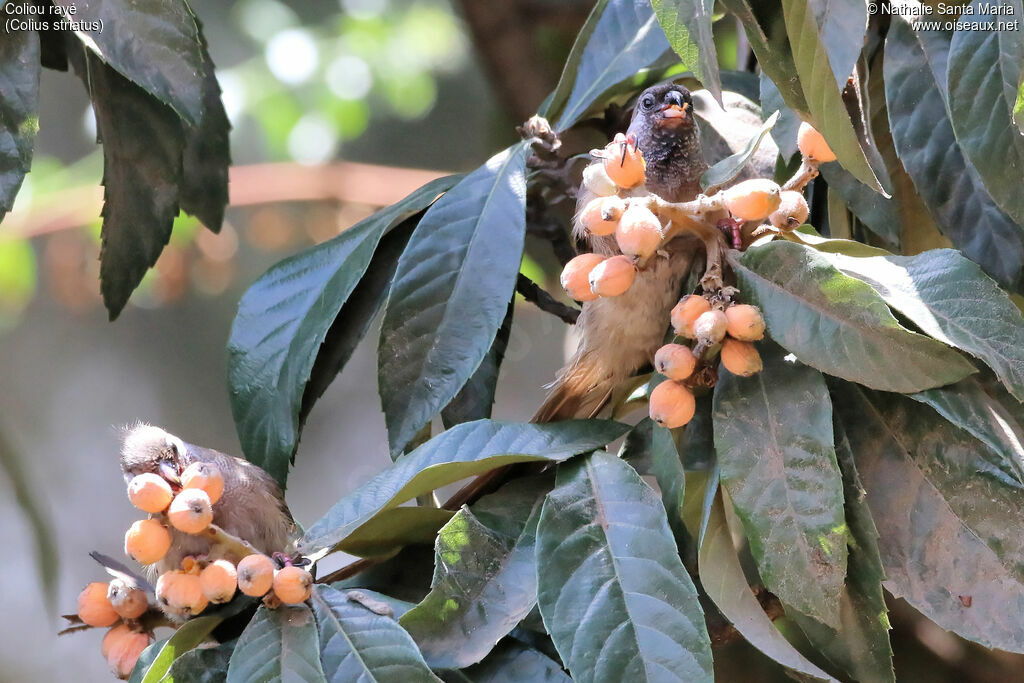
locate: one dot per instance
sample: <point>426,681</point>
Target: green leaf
<point>722,577</point>
<point>620,38</point>
<point>687,25</point>
<point>934,556</point>
<point>475,399</point>
<point>880,214</point>
<point>153,43</point>
<point>915,76</point>
<point>652,450</point>
<point>982,412</point>
<point>463,451</point>
<point>278,644</point>
<point>838,324</point>
<point>806,234</point>
<point>202,665</point>
<point>861,645</point>
<point>44,537</point>
<point>773,438</point>
<point>395,528</point>
<point>142,138</point>
<point>613,593</point>
<point>728,168</point>
<point>1018,107</point>
<point>485,579</point>
<point>786,128</point>
<point>144,660</point>
<point>450,293</point>
<point>826,109</point>
<point>19,108</point>
<point>357,644</point>
<point>513,662</point>
<point>984,72</point>
<point>951,300</point>
<point>207,153</point>
<point>185,638</point>
<point>285,317</point>
<point>841,25</point>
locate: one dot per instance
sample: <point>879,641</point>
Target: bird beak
<point>674,111</point>
<point>169,473</point>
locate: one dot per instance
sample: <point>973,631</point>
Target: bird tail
<point>581,390</point>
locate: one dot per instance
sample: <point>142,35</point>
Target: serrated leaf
<point>620,38</point>
<point>915,76</point>
<point>652,450</point>
<point>450,293</point>
<point>153,43</point>
<point>773,439</point>
<point>142,138</point>
<point>723,580</point>
<point>933,557</point>
<point>612,590</point>
<point>19,109</point>
<point>861,645</point>
<point>728,168</point>
<point>687,26</point>
<point>463,451</point>
<point>396,528</point>
<point>476,397</point>
<point>827,112</point>
<point>207,153</point>
<point>951,300</point>
<point>285,317</point>
<point>513,662</point>
<point>359,645</point>
<point>982,412</point>
<point>985,68</point>
<point>839,324</point>
<point>185,638</point>
<point>278,644</point>
<point>485,579</point>
<point>202,665</point>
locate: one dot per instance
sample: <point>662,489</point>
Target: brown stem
<point>533,293</point>
<point>807,172</point>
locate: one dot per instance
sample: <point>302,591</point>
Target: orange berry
<point>597,181</point>
<point>190,511</point>
<point>112,637</point>
<point>93,606</point>
<point>740,357</point>
<point>792,211</point>
<point>601,215</point>
<point>219,580</point>
<point>204,476</point>
<point>672,404</point>
<point>149,492</point>
<point>638,232</point>
<point>293,585</point>
<point>124,652</point>
<point>745,322</point>
<point>752,200</point>
<point>675,361</point>
<point>623,163</point>
<point>128,601</point>
<point>255,575</point>
<point>812,144</point>
<point>710,327</point>
<point>575,276</point>
<point>612,276</point>
<point>147,541</point>
<point>181,592</point>
<point>686,312</point>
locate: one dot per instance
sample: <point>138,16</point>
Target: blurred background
<point>338,107</point>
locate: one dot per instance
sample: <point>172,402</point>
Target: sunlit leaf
<point>687,25</point>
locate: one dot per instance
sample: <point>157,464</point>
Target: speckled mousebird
<point>619,335</point>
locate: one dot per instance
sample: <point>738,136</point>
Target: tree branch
<point>533,293</point>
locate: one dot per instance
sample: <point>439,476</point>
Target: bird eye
<point>647,102</point>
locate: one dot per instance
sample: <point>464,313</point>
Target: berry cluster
<point>186,506</point>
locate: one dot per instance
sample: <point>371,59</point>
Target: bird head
<point>146,448</point>
<point>664,107</point>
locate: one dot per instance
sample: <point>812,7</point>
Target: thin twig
<point>533,293</point>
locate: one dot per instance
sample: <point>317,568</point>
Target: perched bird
<point>252,506</point>
<point>619,335</point>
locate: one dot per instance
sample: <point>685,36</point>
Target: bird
<point>252,506</point>
<point>619,335</point>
